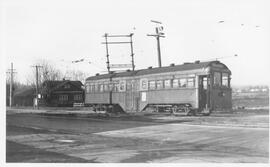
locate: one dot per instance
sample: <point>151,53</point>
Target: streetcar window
<point>111,86</point>
<point>133,85</point>
<point>183,82</point>
<point>106,87</point>
<point>128,86</point>
<point>122,86</point>
<point>152,84</point>
<point>167,83</point>
<point>92,88</point>
<point>217,78</point>
<point>191,82</point>
<point>116,87</point>
<point>101,88</point>
<point>205,83</point>
<point>159,84</point>
<point>144,84</point>
<point>96,88</point>
<point>88,88</point>
<point>175,83</point>
<point>225,79</point>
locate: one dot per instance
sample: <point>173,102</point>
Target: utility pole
<point>132,53</point>
<point>11,71</point>
<point>37,67</point>
<point>107,52</point>
<point>158,34</point>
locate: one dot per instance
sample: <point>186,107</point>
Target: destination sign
<point>120,65</point>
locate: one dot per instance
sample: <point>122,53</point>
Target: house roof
<point>182,67</point>
<point>53,85</point>
<point>25,92</point>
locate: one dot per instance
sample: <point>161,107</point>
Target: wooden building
<point>61,93</point>
<point>24,97</point>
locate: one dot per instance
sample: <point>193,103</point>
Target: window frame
<point>217,81</point>
<point>167,83</point>
<point>152,85</point>
<point>159,84</point>
<point>190,80</point>
<point>227,79</point>
<point>77,97</point>
<point>63,97</point>
<point>181,84</point>
<point>105,87</point>
<point>101,88</point>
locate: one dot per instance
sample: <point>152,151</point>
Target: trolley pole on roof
<point>158,34</point>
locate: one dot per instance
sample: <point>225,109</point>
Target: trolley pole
<point>37,89</point>
<point>158,34</point>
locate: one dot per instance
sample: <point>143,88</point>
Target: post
<point>158,48</point>
<point>158,34</point>
<point>107,52</point>
<point>11,86</point>
<point>37,86</point>
<point>37,66</point>
<point>132,54</point>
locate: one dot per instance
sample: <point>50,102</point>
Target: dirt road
<point>147,139</point>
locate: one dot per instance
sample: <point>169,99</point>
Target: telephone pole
<point>107,52</point>
<point>158,34</point>
<point>37,67</point>
<point>11,71</point>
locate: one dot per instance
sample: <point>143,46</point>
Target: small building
<point>61,93</point>
<point>24,97</point>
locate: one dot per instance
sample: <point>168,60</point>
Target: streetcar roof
<point>182,67</point>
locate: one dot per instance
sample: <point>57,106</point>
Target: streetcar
<point>189,88</point>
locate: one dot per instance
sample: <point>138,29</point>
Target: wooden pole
<point>11,86</point>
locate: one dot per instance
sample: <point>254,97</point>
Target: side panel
<point>119,98</point>
<point>170,96</point>
<point>97,98</point>
<point>221,98</point>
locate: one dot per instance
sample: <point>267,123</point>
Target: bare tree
<point>76,75</point>
<point>48,72</point>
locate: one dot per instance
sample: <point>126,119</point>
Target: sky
<point>61,31</point>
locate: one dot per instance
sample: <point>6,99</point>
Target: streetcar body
<point>198,86</point>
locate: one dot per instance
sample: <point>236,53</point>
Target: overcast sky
<point>62,31</point>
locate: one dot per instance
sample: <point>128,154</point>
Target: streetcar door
<point>129,96</point>
<point>203,92</point>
